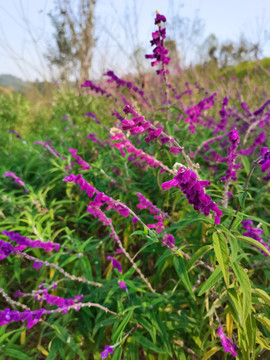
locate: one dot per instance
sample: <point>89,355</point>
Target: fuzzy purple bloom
<point>116,264</point>
<point>48,146</point>
<point>17,180</point>
<point>255,233</point>
<point>159,52</point>
<point>108,350</point>
<point>23,242</point>
<point>227,343</point>
<point>187,181</point>
<point>122,285</point>
<point>80,161</point>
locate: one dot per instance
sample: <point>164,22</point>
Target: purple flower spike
<point>16,180</point>
<point>80,161</point>
<point>116,264</point>
<point>227,343</point>
<point>159,52</point>
<point>106,352</point>
<point>255,233</point>
<point>187,181</point>
<point>23,242</point>
<point>122,285</point>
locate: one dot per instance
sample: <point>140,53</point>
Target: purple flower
<point>49,147</point>
<point>18,136</point>
<point>96,88</point>
<point>187,181</point>
<point>106,352</point>
<point>168,240</point>
<point>227,343</point>
<point>159,52</point>
<point>23,242</point>
<point>5,249</point>
<point>122,285</point>
<point>159,18</point>
<point>116,264</point>
<point>80,161</point>
<point>16,180</point>
<point>255,234</point>
<point>265,161</point>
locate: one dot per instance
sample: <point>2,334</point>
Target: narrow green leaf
<point>180,268</point>
<point>264,320</point>
<point>16,354</point>
<point>120,328</point>
<point>174,109</point>
<point>211,281</point>
<point>244,282</point>
<point>246,164</point>
<point>221,251</point>
<point>263,295</point>
<point>144,342</point>
<point>251,241</point>
<point>198,254</point>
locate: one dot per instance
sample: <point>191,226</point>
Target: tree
<point>73,22</point>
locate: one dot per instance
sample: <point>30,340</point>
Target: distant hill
<point>7,80</point>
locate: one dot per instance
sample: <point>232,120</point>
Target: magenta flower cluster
<point>18,136</point>
<point>187,181</point>
<point>159,215</point>
<point>23,242</point>
<point>80,161</point>
<point>138,125</point>
<point>265,161</point>
<point>116,264</point>
<point>6,249</point>
<point>223,113</point>
<point>17,180</point>
<point>108,350</point>
<point>234,140</point>
<point>255,234</point>
<point>259,140</point>
<point>100,199</point>
<point>159,52</point>
<point>194,113</point>
<point>138,155</point>
<point>96,88</point>
<point>120,82</point>
<point>31,317</point>
<point>48,146</point>
<point>92,136</point>
<point>60,302</point>
<point>227,343</point>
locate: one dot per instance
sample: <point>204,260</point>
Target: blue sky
<point>21,56</point>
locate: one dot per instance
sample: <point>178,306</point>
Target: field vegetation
<point>135,214</point>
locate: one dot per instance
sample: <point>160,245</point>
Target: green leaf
<point>210,353</point>
<point>244,282</point>
<point>180,268</point>
<point>144,342</point>
<point>198,254</point>
<point>251,241</point>
<point>120,328</point>
<point>4,336</point>
<point>246,164</point>
<point>174,110</point>
<point>117,353</point>
<point>263,320</point>
<point>211,281</point>
<point>221,251</point>
<point>16,354</point>
<point>262,341</point>
<point>242,198</point>
<point>263,295</point>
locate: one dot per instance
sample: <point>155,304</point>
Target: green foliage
<point>213,274</point>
